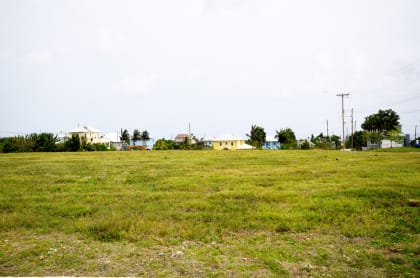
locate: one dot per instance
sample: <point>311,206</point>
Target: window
<point>220,143</point>
<point>231,143</point>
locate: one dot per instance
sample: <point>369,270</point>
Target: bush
<point>43,142</point>
<point>324,146</point>
<point>137,148</point>
<point>100,147</point>
<point>162,144</point>
<point>288,146</point>
<point>305,145</point>
<point>73,144</point>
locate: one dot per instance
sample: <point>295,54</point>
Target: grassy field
<point>209,213</point>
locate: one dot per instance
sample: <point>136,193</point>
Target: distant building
<point>208,142</point>
<point>407,141</point>
<point>112,140</point>
<point>300,142</point>
<point>182,138</point>
<point>271,144</point>
<point>95,136</point>
<point>91,134</point>
<point>230,142</point>
<point>385,144</point>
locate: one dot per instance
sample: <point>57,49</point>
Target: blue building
<point>271,144</point>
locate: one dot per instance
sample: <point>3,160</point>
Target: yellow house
<point>230,142</point>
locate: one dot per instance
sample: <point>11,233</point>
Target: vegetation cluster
<point>47,142</point>
<point>379,126</point>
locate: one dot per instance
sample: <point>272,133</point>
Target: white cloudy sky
<point>221,65</point>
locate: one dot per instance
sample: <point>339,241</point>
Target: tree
<point>136,136</point>
<point>257,136</point>
<point>162,144</point>
<point>125,136</point>
<point>144,137</point>
<point>186,145</point>
<point>73,143</point>
<point>305,145</point>
<point>336,141</point>
<point>43,142</point>
<point>286,136</point>
<point>360,139</point>
<point>321,141</point>
<point>382,122</point>
<point>394,136</point>
<point>16,145</point>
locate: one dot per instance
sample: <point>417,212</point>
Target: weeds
<point>255,213</point>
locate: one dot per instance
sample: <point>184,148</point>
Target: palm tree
<point>286,136</point>
<point>125,136</point>
<point>136,136</point>
<point>257,136</point>
<point>144,137</point>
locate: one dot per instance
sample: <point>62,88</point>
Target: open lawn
<point>209,213</point>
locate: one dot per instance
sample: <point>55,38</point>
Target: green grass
<point>209,213</point>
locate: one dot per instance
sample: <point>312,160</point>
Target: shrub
<point>305,145</point>
<point>137,148</point>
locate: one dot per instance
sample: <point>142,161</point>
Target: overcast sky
<point>221,65</point>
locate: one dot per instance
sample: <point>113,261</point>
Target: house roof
<point>84,129</point>
<point>209,139</point>
<point>228,137</point>
<point>181,135</point>
<point>180,138</point>
<point>244,147</point>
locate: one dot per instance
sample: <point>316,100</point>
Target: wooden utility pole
<point>342,114</point>
<point>352,130</point>
<point>327,130</point>
<point>189,135</point>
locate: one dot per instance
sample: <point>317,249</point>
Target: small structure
<point>230,142</point>
<point>271,143</point>
<point>183,138</point>
<point>386,144</point>
<point>407,141</point>
<point>112,140</point>
<point>300,142</point>
<point>208,142</point>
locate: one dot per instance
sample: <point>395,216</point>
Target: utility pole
<point>415,133</point>
<point>352,130</point>
<point>189,135</point>
<point>342,113</point>
<point>327,130</point>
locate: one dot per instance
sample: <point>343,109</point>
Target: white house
<point>91,134</point>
